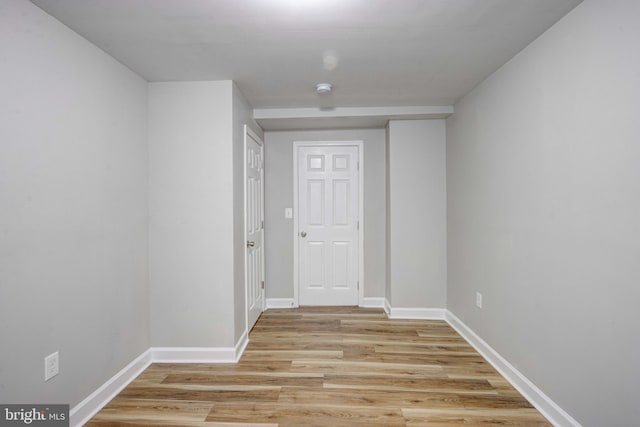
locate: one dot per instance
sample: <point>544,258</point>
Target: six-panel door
<point>328,225</point>
<point>254,228</point>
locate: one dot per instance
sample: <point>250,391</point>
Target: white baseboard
<point>200,354</point>
<point>371,302</point>
<point>194,354</point>
<point>241,345</point>
<point>413,313</point>
<point>417,313</point>
<point>387,307</point>
<point>280,303</point>
<point>547,407</point>
<point>83,411</point>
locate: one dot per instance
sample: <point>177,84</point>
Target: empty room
<point>319,212</point>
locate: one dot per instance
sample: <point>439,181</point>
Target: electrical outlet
<point>51,366</point>
<point>288,213</point>
<point>478,300</point>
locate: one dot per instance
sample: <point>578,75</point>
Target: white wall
<point>279,195</point>
<point>543,163</point>
<point>242,114</point>
<point>417,241</point>
<point>191,234</point>
<point>73,206</point>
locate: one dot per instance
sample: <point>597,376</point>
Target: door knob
<point>303,234</point>
<point>250,244</point>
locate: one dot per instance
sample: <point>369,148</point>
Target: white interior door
<point>254,226</point>
<point>328,228</point>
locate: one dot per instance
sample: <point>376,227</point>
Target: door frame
<point>296,255</point>
<point>248,132</point>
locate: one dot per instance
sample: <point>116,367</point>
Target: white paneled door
<point>328,227</point>
<point>254,226</point>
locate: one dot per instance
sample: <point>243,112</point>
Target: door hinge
<point>262,225</point>
<point>358,225</point>
<point>358,284</point>
<point>262,285</point>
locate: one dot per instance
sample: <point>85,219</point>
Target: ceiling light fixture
<point>324,88</point>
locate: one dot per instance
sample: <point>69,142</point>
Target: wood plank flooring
<point>329,366</point>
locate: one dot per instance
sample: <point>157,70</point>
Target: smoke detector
<point>323,88</point>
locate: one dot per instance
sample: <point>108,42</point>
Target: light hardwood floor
<point>329,366</point>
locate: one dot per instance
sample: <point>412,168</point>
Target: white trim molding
<point>241,345</point>
<point>372,302</point>
<point>194,354</point>
<point>83,411</point>
<point>547,407</point>
<point>387,307</point>
<point>200,354</point>
<point>280,303</point>
<point>416,313</point>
